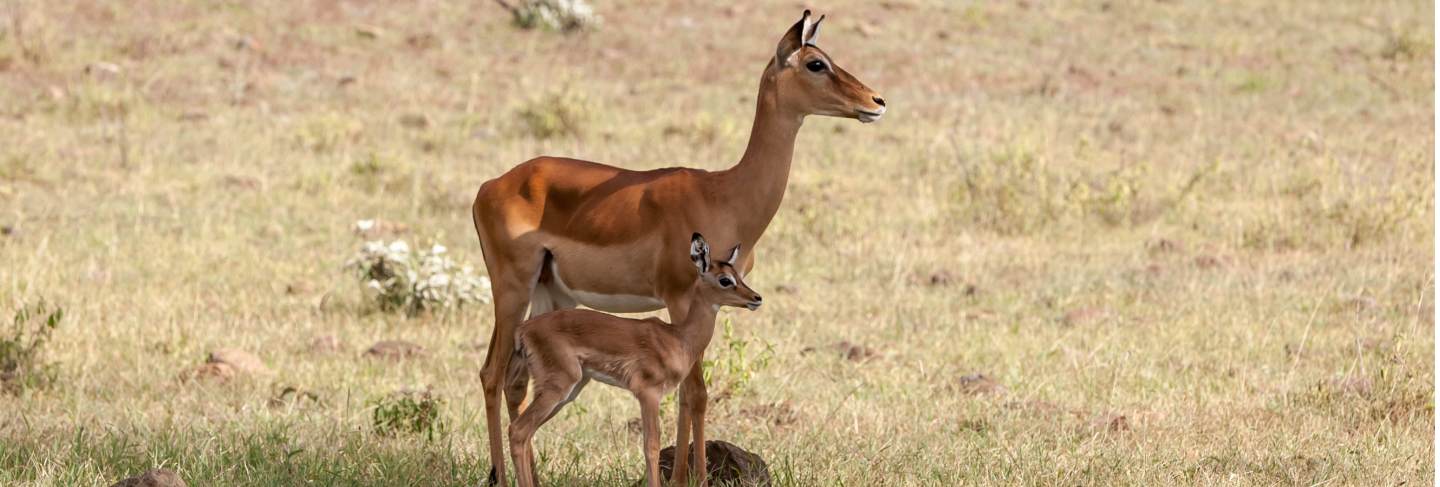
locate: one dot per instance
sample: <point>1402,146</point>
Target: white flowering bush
<point>397,278</point>
<point>561,15</point>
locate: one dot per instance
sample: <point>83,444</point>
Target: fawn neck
<point>698,326</point>
<point>757,183</point>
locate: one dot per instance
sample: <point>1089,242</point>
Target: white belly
<point>616,303</point>
<point>613,303</point>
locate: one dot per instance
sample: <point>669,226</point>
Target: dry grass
<point>1189,244</point>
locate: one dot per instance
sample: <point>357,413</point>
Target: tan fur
<point>616,232</point>
<point>564,350</point>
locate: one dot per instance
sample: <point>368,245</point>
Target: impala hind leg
<point>512,294</point>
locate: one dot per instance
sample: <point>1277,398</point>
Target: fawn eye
<point>815,66</point>
<point>726,282</point>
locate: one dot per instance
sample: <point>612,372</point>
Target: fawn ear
<point>734,255</point>
<point>793,40</point>
<point>700,252</point>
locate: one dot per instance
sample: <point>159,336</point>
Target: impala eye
<point>726,282</point>
<point>815,66</point>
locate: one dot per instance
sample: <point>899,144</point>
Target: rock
<point>941,278</point>
<point>1083,316</point>
<point>394,350</point>
<point>978,384</point>
<point>855,352</point>
<point>102,70</point>
<point>1352,385</point>
<point>209,371</point>
<point>1208,262</point>
<point>1164,246</point>
<point>776,413</point>
<point>160,477</point>
<point>725,463</point>
<point>1111,422</point>
<point>414,121</point>
<point>326,344</point>
<point>243,362</point>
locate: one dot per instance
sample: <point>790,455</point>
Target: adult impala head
<point>810,83</point>
<point>719,282</point>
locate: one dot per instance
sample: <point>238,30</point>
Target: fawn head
<point>720,283</point>
<point>809,82</point>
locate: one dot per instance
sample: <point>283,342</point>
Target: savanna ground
<point>1185,242</point>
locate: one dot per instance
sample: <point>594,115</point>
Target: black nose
<point>878,100</point>
<point>759,299</point>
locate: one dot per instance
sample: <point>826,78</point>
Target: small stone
<point>394,350</point>
<point>414,121</point>
<point>160,477</point>
<point>1084,315</point>
<point>210,371</point>
<point>725,464</point>
<point>979,384</point>
<point>1353,385</point>
<point>102,70</point>
<point>941,278</point>
<point>778,414</point>
<point>326,344</point>
<point>1164,246</point>
<point>243,362</point>
<point>1208,262</point>
<point>1111,422</point>
<point>855,352</point>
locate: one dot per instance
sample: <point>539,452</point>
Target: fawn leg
<point>650,419</point>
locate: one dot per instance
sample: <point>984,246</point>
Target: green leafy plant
<point>563,113</point>
<point>408,412</point>
<point>731,370</point>
<point>22,363</point>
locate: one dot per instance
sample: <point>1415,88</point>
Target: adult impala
<point>558,232</point>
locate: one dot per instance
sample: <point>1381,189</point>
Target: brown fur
<point>612,231</point>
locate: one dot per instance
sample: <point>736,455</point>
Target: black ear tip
<point>806,14</point>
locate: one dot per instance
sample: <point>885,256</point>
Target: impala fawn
<point>564,349</point>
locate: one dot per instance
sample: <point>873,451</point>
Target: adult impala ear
<point>813,32</point>
<point>793,40</point>
<point>700,252</point>
<point>734,256</point>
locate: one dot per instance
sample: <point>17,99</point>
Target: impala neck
<point>698,326</point>
<point>757,183</point>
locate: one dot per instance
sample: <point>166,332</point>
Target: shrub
<point>396,278</point>
<point>730,371</point>
<point>562,113</point>
<point>561,15</point>
<point>22,365</point>
<point>408,412</point>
